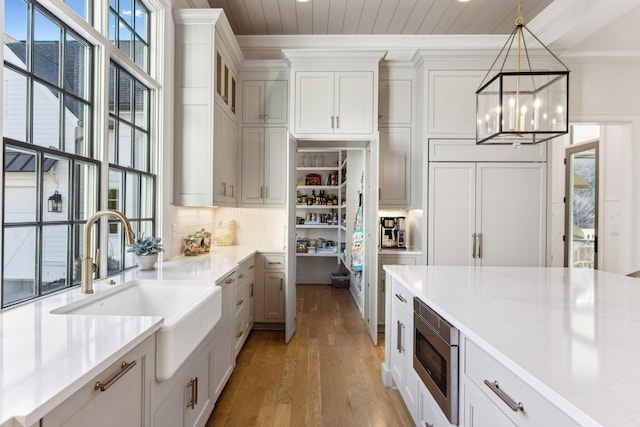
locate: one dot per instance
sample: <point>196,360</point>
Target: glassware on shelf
<point>318,160</point>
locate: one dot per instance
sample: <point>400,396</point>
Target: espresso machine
<point>392,232</point>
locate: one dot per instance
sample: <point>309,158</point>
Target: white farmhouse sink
<point>190,310</point>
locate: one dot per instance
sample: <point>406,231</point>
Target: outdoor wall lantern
<point>55,202</point>
<point>519,103</point>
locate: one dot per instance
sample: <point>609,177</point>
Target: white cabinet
<point>395,102</point>
<point>205,130</point>
<point>264,166</point>
<point>490,214</point>
<point>224,160</point>
<point>224,350</point>
<point>452,102</point>
<point>495,396</point>
<point>264,102</point>
<point>429,413</point>
<point>244,302</point>
<point>388,259</point>
<point>334,102</point>
<point>119,396</point>
<point>269,288</point>
<point>404,376</point>
<point>395,167</point>
<point>187,398</point>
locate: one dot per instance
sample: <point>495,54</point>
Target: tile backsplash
<point>260,228</point>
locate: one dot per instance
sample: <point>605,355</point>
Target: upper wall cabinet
<point>205,103</point>
<point>264,102</point>
<point>394,107</point>
<point>334,95</point>
<point>339,103</point>
<point>452,102</point>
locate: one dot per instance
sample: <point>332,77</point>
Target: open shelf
<point>319,206</point>
<point>324,227</point>
<point>318,254</point>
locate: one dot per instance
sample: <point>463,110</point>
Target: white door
<point>275,102</point>
<point>290,279</point>
<point>451,213</point>
<point>395,167</point>
<point>353,102</point>
<point>511,214</point>
<point>371,241</point>
<point>275,166</point>
<point>314,102</point>
<point>253,94</point>
<point>252,165</point>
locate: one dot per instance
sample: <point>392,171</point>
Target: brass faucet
<point>88,266</point>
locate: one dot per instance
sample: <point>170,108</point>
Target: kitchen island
<point>45,358</point>
<point>572,336</point>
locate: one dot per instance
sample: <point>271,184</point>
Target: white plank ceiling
<point>379,17</point>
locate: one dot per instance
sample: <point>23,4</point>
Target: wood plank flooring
<point>328,375</point>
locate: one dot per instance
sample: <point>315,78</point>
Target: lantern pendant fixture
<point>518,104</point>
<point>55,202</point>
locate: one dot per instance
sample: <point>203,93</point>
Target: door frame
<point>568,201</point>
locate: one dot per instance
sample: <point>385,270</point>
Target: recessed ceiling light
<point>464,1</point>
<point>302,1</point>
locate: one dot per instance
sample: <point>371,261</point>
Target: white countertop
<point>572,334</point>
<point>45,358</point>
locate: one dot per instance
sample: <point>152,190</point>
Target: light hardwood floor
<point>328,375</point>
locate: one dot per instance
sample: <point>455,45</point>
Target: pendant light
<point>519,103</point>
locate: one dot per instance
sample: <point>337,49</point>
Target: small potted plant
<point>146,251</point>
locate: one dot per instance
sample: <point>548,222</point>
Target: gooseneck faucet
<point>88,266</point>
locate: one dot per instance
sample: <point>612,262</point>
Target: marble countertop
<point>571,334</point>
<point>45,358</point>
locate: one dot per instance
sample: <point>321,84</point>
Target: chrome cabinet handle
<point>401,298</point>
<point>495,387</point>
<point>124,368</point>
<point>479,245</point>
<point>398,333</point>
<point>473,246</point>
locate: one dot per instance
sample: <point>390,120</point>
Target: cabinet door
<point>232,166</point>
<point>274,296</point>
<point>395,98</point>
<point>511,214</point>
<point>224,349</point>
<point>479,411</point>
<point>314,102</point>
<point>382,287</point>
<point>253,165</point>
<point>452,102</point>
<point>221,184</point>
<point>275,102</point>
<point>353,102</point>
<point>253,93</point>
<point>199,390</point>
<point>451,213</point>
<point>395,167</point>
<point>275,166</point>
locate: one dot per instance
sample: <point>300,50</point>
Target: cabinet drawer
<point>401,297</point>
<point>536,409</point>
<point>246,268</point>
<point>273,262</point>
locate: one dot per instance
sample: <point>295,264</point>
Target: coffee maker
<point>392,232</point>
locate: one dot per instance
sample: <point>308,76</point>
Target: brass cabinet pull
<point>280,284</point>
<point>240,276</point>
<point>337,122</point>
<point>479,245</point>
<point>240,302</point>
<point>224,188</point>
<point>274,263</point>
<point>495,387</point>
<point>193,383</point>
<point>251,267</point>
<point>473,246</point>
<point>239,334</point>
<point>231,191</point>
<point>229,281</point>
<point>124,368</point>
<point>331,122</point>
<point>251,290</point>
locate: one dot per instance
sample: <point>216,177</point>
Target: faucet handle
<point>96,263</point>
